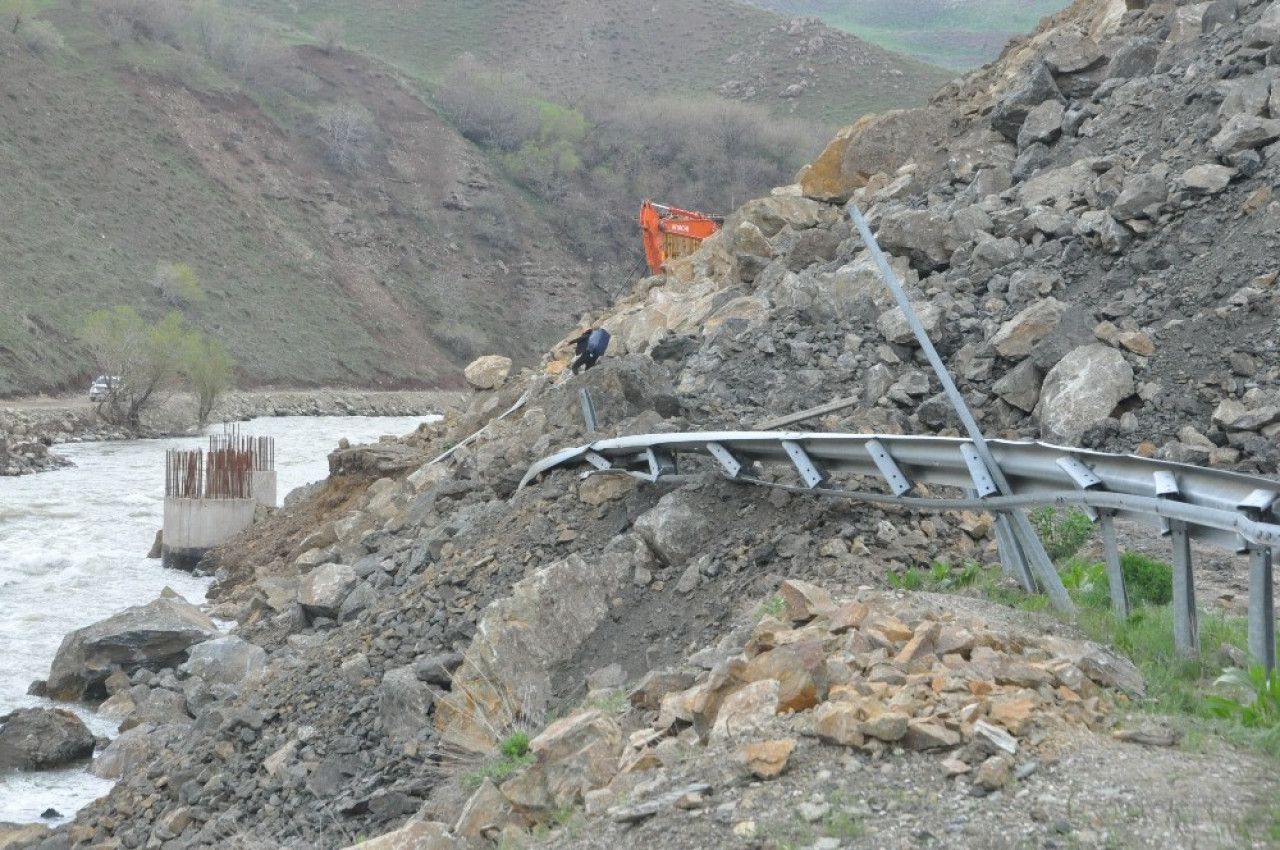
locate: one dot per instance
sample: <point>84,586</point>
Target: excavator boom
<point>671,233</point>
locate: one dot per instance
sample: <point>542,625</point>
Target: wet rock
<point>40,739</point>
<point>1083,390</point>
<point>227,660</point>
<point>155,636</point>
<point>488,372</point>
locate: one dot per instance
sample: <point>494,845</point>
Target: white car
<point>102,386</point>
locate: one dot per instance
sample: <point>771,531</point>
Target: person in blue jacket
<point>589,348</point>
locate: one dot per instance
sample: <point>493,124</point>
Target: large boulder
<point>156,636</point>
<point>1142,194</point>
<point>574,755</point>
<point>43,738</point>
<point>226,660</point>
<point>1012,111</point>
<point>1083,390</point>
<point>675,529</point>
<point>415,835</point>
<point>16,835</point>
<point>323,590</point>
<point>488,372</point>
<point>519,640</point>
<point>129,753</point>
<point>923,236</point>
<point>1245,132</point>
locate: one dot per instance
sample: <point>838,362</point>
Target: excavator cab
<point>671,233</point>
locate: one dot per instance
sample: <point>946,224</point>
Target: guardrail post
<point>1115,572</point>
<point>1186,633</point>
<point>1011,559</point>
<point>588,410</point>
<point>1262,611</point>
<point>1020,527</point>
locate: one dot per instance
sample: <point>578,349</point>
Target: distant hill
<point>577,48</point>
<point>371,194</point>
<point>957,34</point>
<point>116,159</point>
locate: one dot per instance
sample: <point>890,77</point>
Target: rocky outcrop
<point>40,739</point>
<point>155,636</point>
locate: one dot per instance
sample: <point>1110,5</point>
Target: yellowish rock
<point>767,759</point>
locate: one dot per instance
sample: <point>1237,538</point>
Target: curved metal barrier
<point>1223,509</point>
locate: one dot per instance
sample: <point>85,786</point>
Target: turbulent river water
<point>73,547</point>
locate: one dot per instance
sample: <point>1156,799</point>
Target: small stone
<point>994,773</point>
<point>813,812</point>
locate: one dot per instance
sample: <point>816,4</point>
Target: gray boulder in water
<point>43,738</point>
<point>156,636</point>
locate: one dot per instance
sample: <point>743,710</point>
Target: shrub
<point>1063,533</point>
<point>347,132</point>
<point>42,38</point>
<point>329,34</point>
<point>178,284</point>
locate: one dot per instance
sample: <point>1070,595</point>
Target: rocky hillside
<point>576,49</point>
<point>426,653</point>
<point>960,34</point>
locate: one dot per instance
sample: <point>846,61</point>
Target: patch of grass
<point>940,577</point>
<point>615,703</point>
<point>772,607</point>
<point>843,824</point>
<point>790,835</point>
<point>513,757</point>
<point>1148,581</point>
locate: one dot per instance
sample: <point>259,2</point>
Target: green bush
<point>1062,532</point>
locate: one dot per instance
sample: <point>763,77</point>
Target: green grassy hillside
<point>957,34</point>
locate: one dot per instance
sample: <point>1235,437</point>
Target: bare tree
<point>347,130</point>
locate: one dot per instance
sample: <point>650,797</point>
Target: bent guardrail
<point>1224,509</point>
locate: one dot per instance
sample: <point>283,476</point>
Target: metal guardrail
<point>1227,510</point>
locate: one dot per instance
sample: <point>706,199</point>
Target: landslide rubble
<point>1087,230</point>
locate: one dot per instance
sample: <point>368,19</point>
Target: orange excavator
<point>671,233</point>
